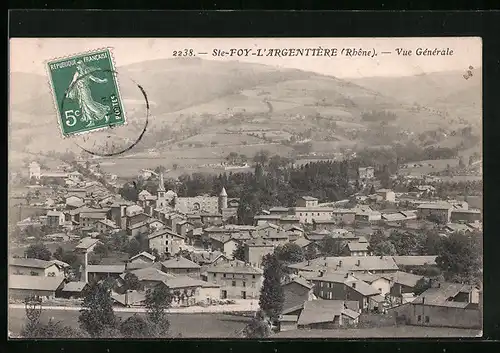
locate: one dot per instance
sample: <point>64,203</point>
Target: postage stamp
<point>86,92</point>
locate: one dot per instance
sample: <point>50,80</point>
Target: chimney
<point>308,262</point>
<point>346,275</point>
<point>381,257</point>
<point>354,285</point>
<point>439,285</point>
<point>321,273</point>
<point>358,263</point>
<point>340,263</point>
<point>326,264</point>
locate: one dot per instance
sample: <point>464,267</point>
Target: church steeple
<point>161,186</point>
<point>222,199</point>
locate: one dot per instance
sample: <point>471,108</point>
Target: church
<point>168,200</point>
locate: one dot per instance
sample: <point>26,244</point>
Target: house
<point>165,241</point>
<point>263,219</point>
<point>308,246</point>
<point>72,202</point>
<point>439,212</point>
<point>366,173</point>
<point>402,283</point>
<point>179,265</point>
<point>414,261</point>
<point>189,291</point>
<point>105,226</point>
<point>96,273</point>
<point>149,277</point>
<point>223,243</point>
<point>256,249</point>
<point>237,279</point>
<point>34,267</point>
<point>87,245</point>
<point>203,258</point>
<point>307,201</point>
<point>131,298</point>
<point>133,230</point>
<point>386,195</point>
<point>373,264</point>
<point>338,286</point>
<point>73,290</point>
<point>355,249</point>
<point>143,257</point>
<point>22,287</point>
<point>34,170</point>
<point>183,227</point>
<point>79,192</point>
<point>297,290</point>
<point>294,232</point>
<point>320,314</point>
<point>367,215</point>
<point>378,281</point>
<point>55,219</point>
<point>443,305</point>
<point>457,228</point>
<point>193,236</point>
<point>211,218</point>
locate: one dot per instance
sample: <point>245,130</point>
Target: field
<point>187,325</point>
<point>429,166</point>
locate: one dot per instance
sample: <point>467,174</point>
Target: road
<point>239,306</point>
<point>212,325</point>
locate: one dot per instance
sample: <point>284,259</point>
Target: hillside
<point>201,105</point>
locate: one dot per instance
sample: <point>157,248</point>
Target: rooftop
<point>435,206</point>
<point>234,266</point>
<point>74,286</point>
<point>34,282</point>
<point>179,262</point>
<point>145,254</point>
<point>349,263</point>
<point>86,243</point>
<point>415,260</point>
<point>440,296</point>
<point>33,263</point>
<point>404,278</point>
<point>309,198</point>
<point>318,311</point>
<point>106,268</point>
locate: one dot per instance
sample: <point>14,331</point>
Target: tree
<point>132,282</point>
<point>331,246</point>
<point>258,327</point>
<point>157,301</point>
<point>461,257</point>
<point>461,163</point>
<point>38,251</point>
<point>133,247</point>
<point>372,190</point>
<point>101,250</point>
<point>289,253</point>
<point>135,327</point>
<point>384,248</point>
<point>431,244</point>
<point>239,252</point>
<point>310,253</point>
<point>405,243</point>
<point>97,315</point>
<point>421,286</point>
<point>272,296</point>
<point>52,329</point>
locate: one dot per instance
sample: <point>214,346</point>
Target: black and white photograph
<point>263,188</point>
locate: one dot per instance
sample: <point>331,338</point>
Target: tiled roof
<point>299,280</point>
<point>436,206</point>
<point>54,214</point>
<point>355,246</point>
<point>186,282</point>
<point>349,263</point>
<point>309,198</point>
<point>93,215</point>
<point>414,260</point>
<point>179,262</point>
<point>234,266</point>
<point>86,243</point>
<point>440,296</point>
<point>106,268</point>
<point>132,298</point>
<point>302,242</point>
<point>33,263</point>
<point>74,286</point>
<point>221,238</point>
<point>34,282</point>
<point>163,231</point>
<point>319,311</point>
<point>404,278</point>
<point>145,254</point>
<point>150,274</point>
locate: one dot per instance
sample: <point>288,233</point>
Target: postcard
<point>245,188</point>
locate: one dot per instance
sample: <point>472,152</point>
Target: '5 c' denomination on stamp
<point>86,92</point>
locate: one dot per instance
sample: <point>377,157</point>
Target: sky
<point>30,54</point>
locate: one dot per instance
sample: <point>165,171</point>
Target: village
<point>340,269</point>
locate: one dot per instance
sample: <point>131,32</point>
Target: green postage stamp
<point>86,92</point>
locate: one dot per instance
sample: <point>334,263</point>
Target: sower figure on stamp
<point>79,90</point>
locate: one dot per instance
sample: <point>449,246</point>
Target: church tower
<point>161,200</point>
<point>222,199</point>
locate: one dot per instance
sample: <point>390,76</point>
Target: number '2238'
<point>184,52</point>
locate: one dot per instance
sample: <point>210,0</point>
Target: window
<point>321,294</point>
<point>215,275</point>
<point>224,275</point>
<point>253,284</point>
<point>233,283</point>
<point>419,318</point>
<point>244,284</point>
<point>253,276</point>
<point>427,319</point>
